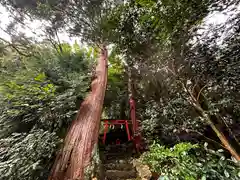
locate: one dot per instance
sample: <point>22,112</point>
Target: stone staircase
<point>117,162</point>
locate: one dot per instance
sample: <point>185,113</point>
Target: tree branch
<point>209,139</point>
<point>201,91</point>
<point>15,48</point>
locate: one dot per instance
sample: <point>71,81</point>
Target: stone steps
<point>119,175</point>
<point>118,164</point>
<point>122,167</point>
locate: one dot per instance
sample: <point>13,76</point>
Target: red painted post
<point>105,131</point>
<point>127,129</point>
<point>118,142</point>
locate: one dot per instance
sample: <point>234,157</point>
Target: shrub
<point>186,161</point>
<point>27,156</point>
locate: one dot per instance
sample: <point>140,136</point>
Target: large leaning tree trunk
<point>76,153</point>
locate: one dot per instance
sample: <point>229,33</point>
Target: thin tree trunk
<point>222,137</point>
<point>193,99</point>
<point>82,136</point>
<point>195,102</point>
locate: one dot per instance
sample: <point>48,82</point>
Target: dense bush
<point>27,156</point>
<point>186,161</point>
<point>39,98</point>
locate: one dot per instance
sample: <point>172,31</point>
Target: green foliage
<point>78,18</point>
<point>39,100</point>
<point>159,42</point>
<point>23,99</point>
<point>187,161</point>
<point>116,96</point>
<point>27,155</point>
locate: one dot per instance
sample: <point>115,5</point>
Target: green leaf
<point>226,173</point>
<point>41,77</point>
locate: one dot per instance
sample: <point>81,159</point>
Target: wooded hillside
<point>183,73</point>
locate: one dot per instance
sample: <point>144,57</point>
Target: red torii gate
<point>108,122</point>
<point>136,136</point>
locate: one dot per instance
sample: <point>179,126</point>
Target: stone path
<point>117,163</point>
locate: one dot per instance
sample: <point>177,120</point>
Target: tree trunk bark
<point>76,153</point>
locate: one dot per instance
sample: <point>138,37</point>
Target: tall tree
<point>78,18</point>
<point>81,139</point>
